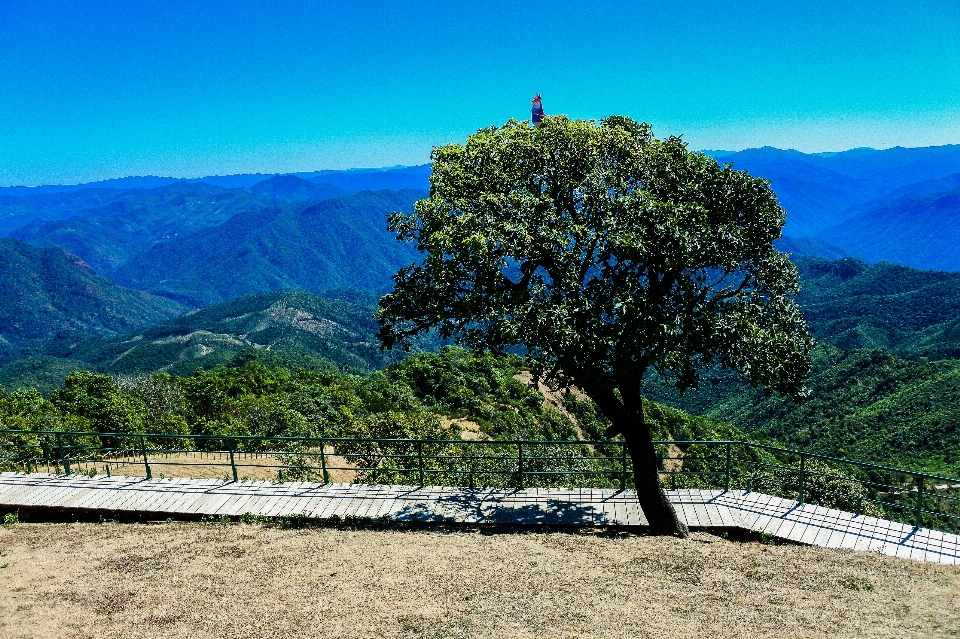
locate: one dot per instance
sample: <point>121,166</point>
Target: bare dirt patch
<point>552,399</point>
<point>215,580</point>
<point>215,465</point>
<point>469,429</point>
<point>673,461</point>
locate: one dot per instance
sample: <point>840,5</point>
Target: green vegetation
<point>603,253</point>
<point>290,329</point>
<point>48,294</point>
<point>864,404</point>
<point>885,383</point>
<point>451,395</point>
<point>110,235</point>
<point>851,305</point>
<point>427,395</point>
<point>341,242</point>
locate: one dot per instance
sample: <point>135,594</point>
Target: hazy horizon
<point>267,174</point>
<point>101,89</point>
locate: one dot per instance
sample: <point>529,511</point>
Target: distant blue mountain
<point>125,183</point>
<point>282,189</point>
<point>335,243</point>
<point>914,227</point>
<point>395,179</point>
<point>821,190</point>
<point>806,247</point>
<point>109,235</point>
<point>349,180</point>
<point>870,204</point>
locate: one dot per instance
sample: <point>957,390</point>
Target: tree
<point>605,254</point>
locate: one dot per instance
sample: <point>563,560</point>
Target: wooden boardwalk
<point>701,509</point>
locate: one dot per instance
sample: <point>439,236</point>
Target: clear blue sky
<point>91,90</point>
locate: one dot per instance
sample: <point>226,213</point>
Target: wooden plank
<point>38,494</point>
<point>209,503</point>
<point>127,499</point>
<point>291,507</point>
<point>224,508</point>
<point>321,507</point>
<point>154,500</point>
<point>258,503</point>
<point>191,492</point>
<point>170,494</point>
<point>11,483</point>
<point>149,496</point>
<point>239,506</point>
<point>50,495</point>
<point>22,492</point>
<point>81,498</point>
<point>775,515</point>
<point>101,497</point>
<point>142,496</point>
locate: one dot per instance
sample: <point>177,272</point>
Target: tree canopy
<point>604,253</point>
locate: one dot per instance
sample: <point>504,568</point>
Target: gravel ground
<point>238,581</point>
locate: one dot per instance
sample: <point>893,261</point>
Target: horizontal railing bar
<point>488,443</point>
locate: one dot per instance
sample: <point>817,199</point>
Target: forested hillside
<point>918,229</point>
<point>450,394</point>
<point>342,242</point>
<point>202,244</point>
<point>47,293</point>
<point>108,236</point>
<point>886,378</point>
<point>294,329</point>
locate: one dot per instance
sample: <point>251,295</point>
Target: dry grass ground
<point>237,581</point>
<point>203,465</point>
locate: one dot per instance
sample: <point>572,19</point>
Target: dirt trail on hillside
<point>554,399</point>
<point>80,581</point>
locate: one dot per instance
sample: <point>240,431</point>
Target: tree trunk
<point>629,422</point>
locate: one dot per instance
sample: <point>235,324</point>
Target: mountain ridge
<point>49,291</point>
<point>335,243</point>
<point>383,175</point>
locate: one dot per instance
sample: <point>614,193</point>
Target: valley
<point>194,279</point>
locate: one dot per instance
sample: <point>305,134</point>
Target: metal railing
<point>921,499</point>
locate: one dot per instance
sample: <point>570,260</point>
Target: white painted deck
<point>780,518</point>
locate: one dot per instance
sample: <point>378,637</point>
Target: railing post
<point>726,482</point>
<point>803,478</point>
<point>472,463</point>
<point>64,460</point>
<point>623,465</point>
<point>420,459</point>
<point>323,464</point>
<point>233,464</point>
<point>143,449</point>
<point>520,462</point>
<point>919,519</point>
